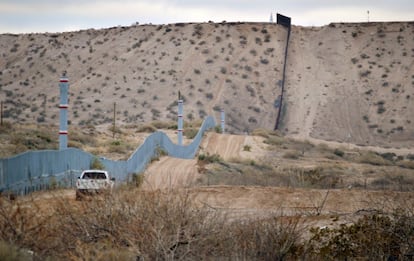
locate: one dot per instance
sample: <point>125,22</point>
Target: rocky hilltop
<point>344,82</point>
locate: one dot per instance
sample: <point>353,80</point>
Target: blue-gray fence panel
<point>37,170</point>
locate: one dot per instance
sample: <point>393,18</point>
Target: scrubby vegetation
<point>301,164</point>
<point>132,224</point>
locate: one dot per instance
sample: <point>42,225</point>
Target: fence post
<point>222,120</point>
<point>180,120</point>
<point>63,106</point>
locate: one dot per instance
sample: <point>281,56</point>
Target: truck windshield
<point>94,175</point>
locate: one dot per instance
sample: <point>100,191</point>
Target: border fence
<point>38,170</point>
<point>286,22</point>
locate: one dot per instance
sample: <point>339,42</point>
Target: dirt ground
<point>332,207</point>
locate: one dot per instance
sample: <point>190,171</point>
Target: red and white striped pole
<point>180,120</point>
<point>222,116</point>
<point>63,116</point>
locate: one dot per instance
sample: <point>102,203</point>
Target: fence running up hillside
<point>286,22</point>
<point>37,170</point>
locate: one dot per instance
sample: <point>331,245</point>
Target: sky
<point>38,16</point>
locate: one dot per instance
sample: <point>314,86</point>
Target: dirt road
<point>174,173</point>
<point>226,145</point>
<point>168,173</point>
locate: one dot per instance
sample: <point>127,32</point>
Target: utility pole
<point>113,127</point>
<point>1,114</point>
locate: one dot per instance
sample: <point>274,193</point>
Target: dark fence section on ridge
<point>286,22</point>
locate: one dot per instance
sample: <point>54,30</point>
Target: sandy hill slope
<point>142,69</point>
<point>352,83</point>
<point>345,82</point>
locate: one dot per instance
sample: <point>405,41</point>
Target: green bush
<point>209,158</point>
<point>190,133</point>
<point>137,179</point>
<point>97,164</point>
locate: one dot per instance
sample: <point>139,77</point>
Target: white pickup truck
<point>93,181</point>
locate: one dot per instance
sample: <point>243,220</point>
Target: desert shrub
<point>209,95</point>
<point>247,148</point>
<point>23,228</point>
<point>274,238</point>
<point>264,61</point>
<point>202,113</point>
<point>388,156</point>
<point>374,237</point>
<point>339,152</point>
<point>292,155</point>
<point>97,164</point>
<point>79,139</point>
<point>381,107</point>
<point>207,158</point>
<point>155,113</point>
<point>164,125</point>
<point>251,90</point>
<point>117,146</point>
<point>274,140</point>
<point>190,133</point>
<point>406,164</point>
<point>373,159</point>
<point>252,120</point>
<point>365,73</point>
<point>261,132</point>
<point>24,140</point>
<point>6,127</point>
<point>146,128</point>
<point>238,172</point>
<point>10,252</point>
<point>161,152</point>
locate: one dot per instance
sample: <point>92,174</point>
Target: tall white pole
<point>222,120</point>
<point>180,120</point>
<point>63,117</point>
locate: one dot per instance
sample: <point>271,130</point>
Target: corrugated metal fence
<point>37,170</point>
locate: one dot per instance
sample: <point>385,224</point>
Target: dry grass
<point>131,224</point>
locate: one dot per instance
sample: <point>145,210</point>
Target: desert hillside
<point>142,69</point>
<point>352,83</point>
<point>345,82</point>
